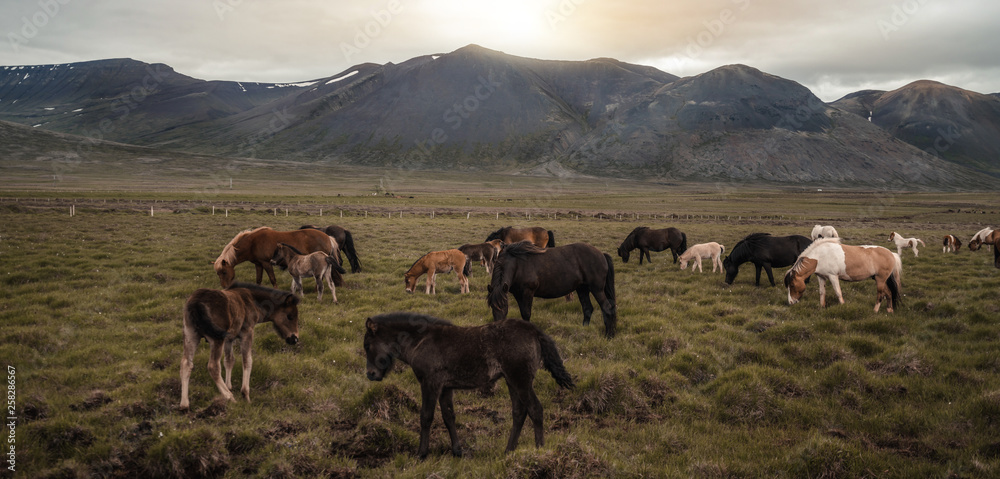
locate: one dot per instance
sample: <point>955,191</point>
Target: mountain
<point>955,124</point>
<point>481,109</point>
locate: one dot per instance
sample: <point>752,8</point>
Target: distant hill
<point>480,109</point>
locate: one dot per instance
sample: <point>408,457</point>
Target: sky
<point>833,48</point>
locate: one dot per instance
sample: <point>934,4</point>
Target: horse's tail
<point>552,240</point>
<point>552,362</point>
<point>921,242</point>
<point>352,254</point>
<point>467,269</point>
<point>722,250</point>
<point>895,282</point>
<point>684,242</point>
<point>611,320</point>
<point>336,270</point>
<point>197,314</point>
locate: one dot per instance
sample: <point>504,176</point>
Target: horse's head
<point>497,235</point>
<point>974,244</point>
<point>281,255</point>
<point>378,351</point>
<point>226,272</point>
<point>624,253</point>
<point>732,269</point>
<point>796,286</point>
<point>892,236</point>
<point>410,282</point>
<point>285,316</point>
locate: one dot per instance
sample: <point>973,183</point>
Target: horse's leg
<point>260,272</point>
<point>673,251</point>
<point>535,413</point>
<point>246,348</point>
<point>822,291</point>
<point>227,348</point>
<point>448,415</point>
<point>297,288</point>
<point>463,281</point>
<point>430,287</point>
<point>524,300</point>
<point>835,282</point>
<point>191,340</point>
<point>270,275</point>
<point>697,262</point>
<point>770,276</point>
<point>642,253</point>
<point>429,398</point>
<point>881,291</point>
<point>329,284</point>
<point>583,293</point>
<point>757,280</point>
<point>518,409</point>
<point>214,357</point>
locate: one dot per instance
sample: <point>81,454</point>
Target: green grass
<point>704,379</point>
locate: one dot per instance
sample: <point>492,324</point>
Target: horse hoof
<point>456,452</point>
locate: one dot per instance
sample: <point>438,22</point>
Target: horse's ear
<point>291,300</point>
<point>506,288</point>
<point>371,325</point>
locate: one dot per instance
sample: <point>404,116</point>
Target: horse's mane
<point>742,249</point>
<point>418,260</point>
<point>294,249</point>
<point>522,248</point>
<point>259,289</point>
<point>498,234</point>
<point>817,243</point>
<point>409,319</point>
<point>229,251</point>
<point>629,242</point>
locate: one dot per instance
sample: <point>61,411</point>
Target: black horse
<point>527,271</point>
<point>653,240</point>
<point>764,251</point>
<point>445,357</point>
<point>345,241</point>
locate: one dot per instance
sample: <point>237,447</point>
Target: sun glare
<point>489,23</point>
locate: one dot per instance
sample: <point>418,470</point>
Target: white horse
<point>704,250</point>
<point>902,242</point>
<point>824,232</point>
<point>980,238</point>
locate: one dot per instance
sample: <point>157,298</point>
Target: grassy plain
<point>703,380</point>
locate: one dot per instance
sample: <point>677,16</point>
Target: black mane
<point>742,250</point>
<point>498,234</point>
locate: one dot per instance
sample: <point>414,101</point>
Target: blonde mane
<point>797,267</point>
<point>229,251</point>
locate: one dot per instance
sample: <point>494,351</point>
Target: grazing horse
<point>902,242</point>
<point>996,257</point>
<point>986,236</point>
<point>225,316</point>
<point>346,242</point>
<point>438,262</point>
<point>701,251</point>
<point>317,264</point>
<point>824,232</point>
<point>539,236</point>
<point>647,240</point>
<point>830,260</point>
<point>486,253</point>
<point>951,244</point>
<point>527,271</point>
<point>445,357</point>
<point>764,251</point>
<point>257,246</point>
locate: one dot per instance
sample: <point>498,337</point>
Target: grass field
<point>703,380</point>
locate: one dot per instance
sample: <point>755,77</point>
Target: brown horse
<point>527,272</point>
<point>317,264</point>
<point>438,262</point>
<point>647,240</point>
<point>445,357</point>
<point>257,246</point>
<point>345,241</point>
<point>539,236</point>
<point>830,260</point>
<point>986,236</point>
<point>486,253</point>
<point>224,316</point>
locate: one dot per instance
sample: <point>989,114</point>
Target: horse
<point>698,252</point>
<point>486,253</point>
<point>541,237</point>
<point>829,259</point>
<point>438,262</point>
<point>317,264</point>
<point>824,232</point>
<point>902,242</point>
<point>225,316</point>
<point>345,241</point>
<point>764,251</point>
<point>445,357</point>
<point>951,244</point>
<point>996,257</point>
<point>653,240</point>
<point>527,271</point>
<point>257,246</point>
<point>985,236</point>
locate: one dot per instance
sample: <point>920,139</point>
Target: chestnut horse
<point>486,253</point>
<point>225,316</point>
<point>257,246</point>
<point>527,271</point>
<point>830,260</point>
<point>951,244</point>
<point>438,262</point>
<point>345,241</point>
<point>539,236</point>
<point>647,240</point>
<point>445,357</point>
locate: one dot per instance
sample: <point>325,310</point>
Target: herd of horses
<point>523,263</point>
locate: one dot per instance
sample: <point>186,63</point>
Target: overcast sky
<point>833,48</point>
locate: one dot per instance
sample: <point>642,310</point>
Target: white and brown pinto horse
<point>820,231</point>
<point>830,260</point>
<point>902,242</point>
<point>951,244</point>
<point>986,236</point>
<point>701,251</point>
